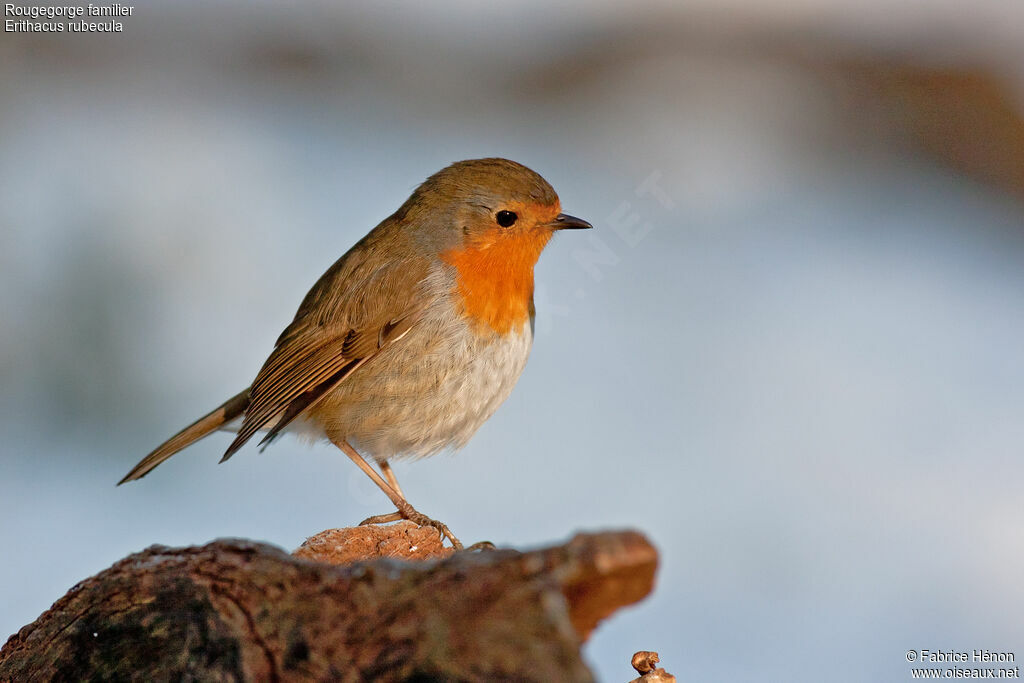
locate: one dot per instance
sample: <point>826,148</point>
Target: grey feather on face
<point>446,206</point>
<point>487,182</point>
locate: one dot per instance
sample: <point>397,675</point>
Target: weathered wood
<point>240,610</point>
<point>401,541</point>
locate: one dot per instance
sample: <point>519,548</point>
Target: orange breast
<point>494,278</point>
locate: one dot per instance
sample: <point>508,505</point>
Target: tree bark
<point>239,610</point>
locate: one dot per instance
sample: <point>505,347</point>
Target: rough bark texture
<point>402,541</point>
<point>239,610</point>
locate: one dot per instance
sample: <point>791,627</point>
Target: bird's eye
<point>506,218</point>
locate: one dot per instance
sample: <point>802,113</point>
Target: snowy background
<point>798,369</point>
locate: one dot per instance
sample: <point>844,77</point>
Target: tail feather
<point>210,422</point>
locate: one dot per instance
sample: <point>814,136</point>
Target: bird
<point>411,340</point>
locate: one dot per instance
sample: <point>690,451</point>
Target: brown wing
<point>349,316</point>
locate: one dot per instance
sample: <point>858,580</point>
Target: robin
<point>413,338</point>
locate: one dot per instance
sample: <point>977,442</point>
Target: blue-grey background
<point>798,368</point>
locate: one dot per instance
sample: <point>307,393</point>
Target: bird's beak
<point>564,221</point>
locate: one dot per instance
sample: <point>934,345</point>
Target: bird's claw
<point>382,519</point>
<point>419,519</point>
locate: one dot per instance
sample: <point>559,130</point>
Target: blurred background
<point>790,353</point>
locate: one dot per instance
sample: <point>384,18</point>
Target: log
<point>241,610</point>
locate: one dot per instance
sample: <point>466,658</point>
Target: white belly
<point>451,381</point>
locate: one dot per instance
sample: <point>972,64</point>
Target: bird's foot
<point>482,545</point>
<point>383,519</point>
<point>418,518</point>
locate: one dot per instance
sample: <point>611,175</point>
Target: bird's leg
<point>405,510</point>
<point>389,474</point>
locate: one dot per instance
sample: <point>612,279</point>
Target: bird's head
<point>490,219</point>
<point>489,202</point>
